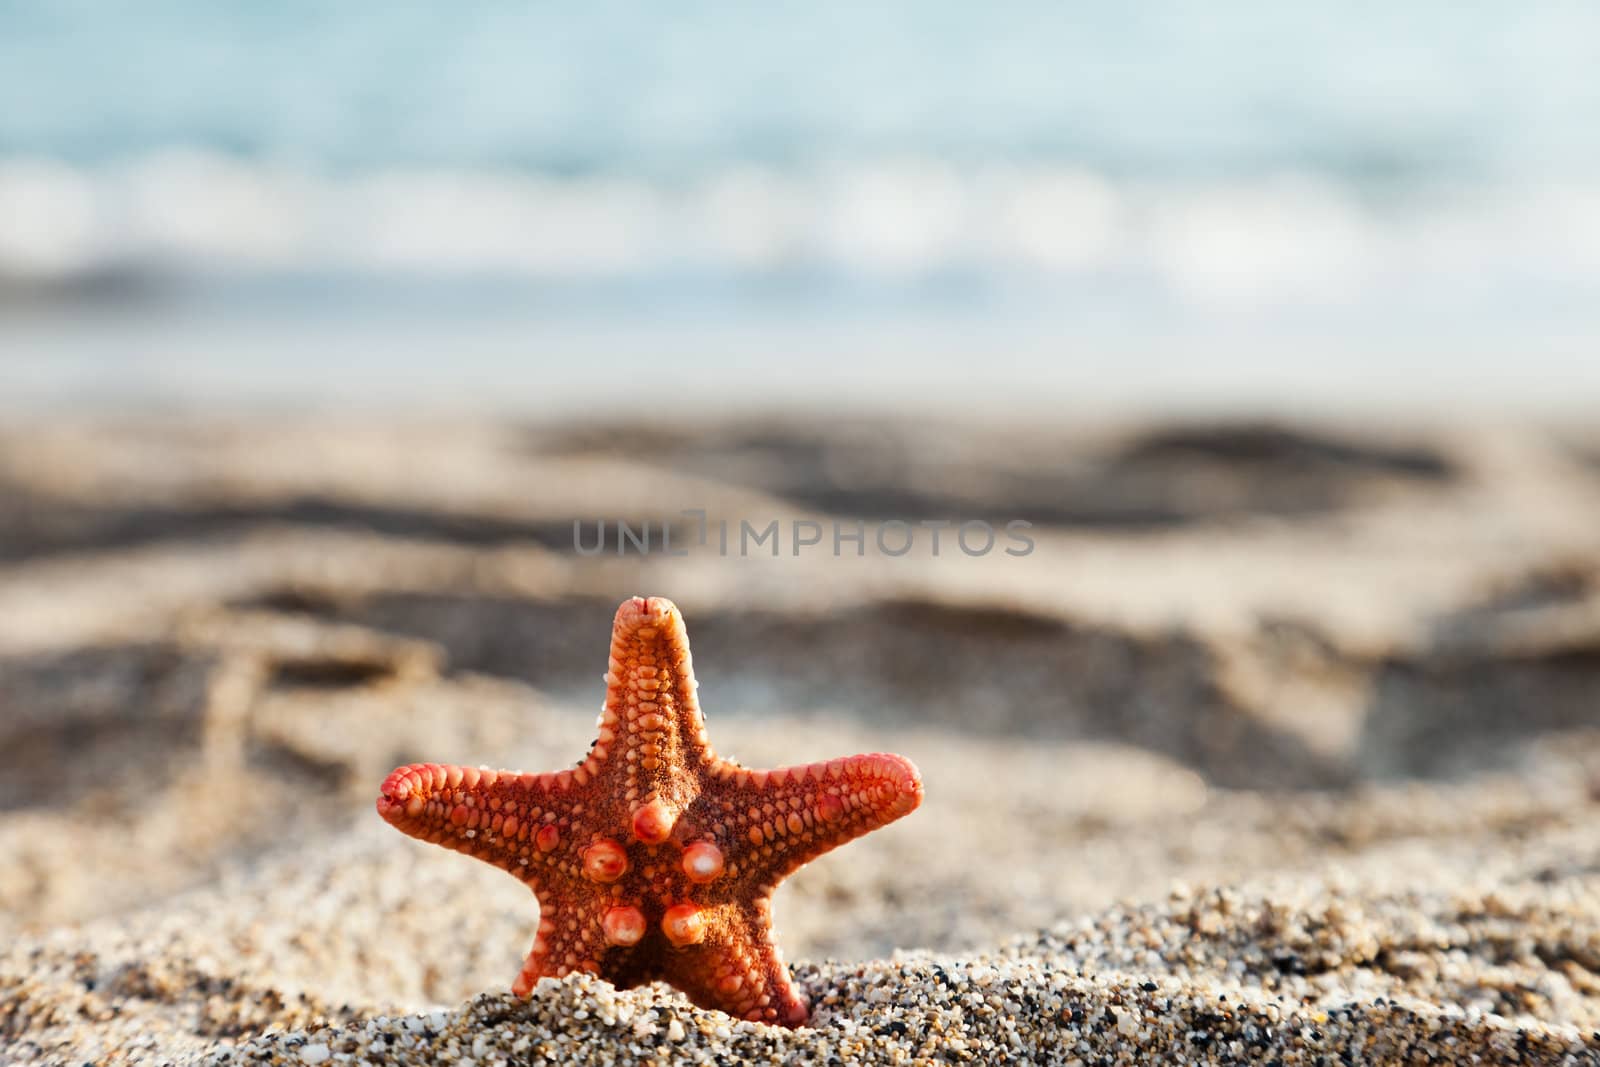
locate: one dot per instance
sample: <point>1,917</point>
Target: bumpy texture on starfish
<point>655,858</point>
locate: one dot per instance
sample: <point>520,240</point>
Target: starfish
<point>654,858</point>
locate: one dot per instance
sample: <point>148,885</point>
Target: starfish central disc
<point>654,858</point>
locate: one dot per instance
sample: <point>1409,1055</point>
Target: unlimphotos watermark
<point>775,537</point>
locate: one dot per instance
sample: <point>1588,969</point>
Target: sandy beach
<point>1280,745</point>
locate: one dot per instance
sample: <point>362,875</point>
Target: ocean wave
<point>1273,241</point>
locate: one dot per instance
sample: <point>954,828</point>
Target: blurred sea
<point>1418,177</point>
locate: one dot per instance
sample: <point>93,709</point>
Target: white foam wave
<point>1279,240</point>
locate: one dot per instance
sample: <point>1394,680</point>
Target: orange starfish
<point>654,858</point>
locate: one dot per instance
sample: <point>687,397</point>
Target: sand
<point>1283,744</point>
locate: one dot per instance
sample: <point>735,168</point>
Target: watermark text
<point>695,531</point>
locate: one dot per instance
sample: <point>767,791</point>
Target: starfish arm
<point>651,720</point>
<point>571,938</point>
<point>738,969</point>
<point>771,823</point>
<point>518,822</point>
